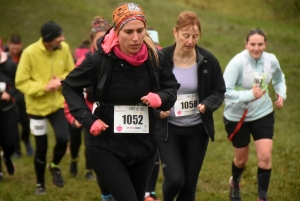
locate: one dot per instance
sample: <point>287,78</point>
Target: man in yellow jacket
<point>42,66</point>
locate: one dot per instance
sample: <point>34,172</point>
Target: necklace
<point>184,62</point>
<point>184,59</point>
<point>180,60</point>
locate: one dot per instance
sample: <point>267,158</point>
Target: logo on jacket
<point>163,165</point>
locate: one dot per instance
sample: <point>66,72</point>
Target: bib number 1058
<point>189,104</point>
<point>132,119</point>
<point>186,104</point>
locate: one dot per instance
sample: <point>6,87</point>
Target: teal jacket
<point>237,97</point>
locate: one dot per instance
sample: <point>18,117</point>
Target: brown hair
<point>15,39</point>
<point>256,31</point>
<point>188,18</point>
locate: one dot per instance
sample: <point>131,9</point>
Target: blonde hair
<point>152,48</point>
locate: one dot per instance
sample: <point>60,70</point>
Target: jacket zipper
<point>167,130</point>
<point>51,61</point>
<point>201,62</point>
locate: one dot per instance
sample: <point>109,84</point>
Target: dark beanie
<point>50,31</point>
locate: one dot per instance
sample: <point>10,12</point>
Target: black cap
<point>50,31</point>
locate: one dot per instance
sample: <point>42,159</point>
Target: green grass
<point>224,26</point>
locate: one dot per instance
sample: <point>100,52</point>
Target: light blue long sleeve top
<point>238,97</point>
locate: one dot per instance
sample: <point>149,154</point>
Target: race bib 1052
<point>131,119</point>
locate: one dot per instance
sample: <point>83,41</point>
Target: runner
<point>8,111</point>
<point>184,131</point>
<point>128,75</point>
<point>42,66</point>
<point>249,111</point>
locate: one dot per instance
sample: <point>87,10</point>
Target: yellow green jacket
<point>35,69</point>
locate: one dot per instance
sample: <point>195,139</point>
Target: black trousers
<point>75,142</point>
<point>59,124</point>
<point>24,121</point>
<point>124,182</point>
<point>154,175</point>
<point>8,131</point>
<point>181,157</point>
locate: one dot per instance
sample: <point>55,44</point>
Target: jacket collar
<point>41,44</point>
<point>251,59</point>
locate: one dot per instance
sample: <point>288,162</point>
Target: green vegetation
<point>225,24</point>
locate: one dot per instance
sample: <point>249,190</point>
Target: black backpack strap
<point>102,76</point>
<point>104,69</point>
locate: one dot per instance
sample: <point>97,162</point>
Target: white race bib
<point>186,104</point>
<point>258,78</point>
<point>131,119</point>
<point>38,126</point>
<point>2,87</point>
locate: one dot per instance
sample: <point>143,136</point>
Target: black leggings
<point>24,121</point>
<point>8,131</point>
<point>75,142</point>
<point>181,157</point>
<point>154,175</point>
<point>121,180</point>
<point>60,126</point>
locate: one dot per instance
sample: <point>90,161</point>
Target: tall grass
<point>225,24</point>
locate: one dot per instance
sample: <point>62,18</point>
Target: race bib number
<point>131,119</point>
<point>258,78</point>
<point>2,87</point>
<point>38,126</point>
<point>186,104</point>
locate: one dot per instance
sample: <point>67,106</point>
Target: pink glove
<point>152,100</point>
<point>96,128</point>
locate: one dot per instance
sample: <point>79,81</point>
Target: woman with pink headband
<point>129,80</point>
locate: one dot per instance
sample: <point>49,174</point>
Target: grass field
<point>225,24</point>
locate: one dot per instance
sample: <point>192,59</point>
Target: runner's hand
<point>164,114</point>
<point>53,84</point>
<point>279,102</point>
<point>98,127</point>
<point>257,92</point>
<point>5,96</point>
<point>76,124</point>
<point>201,108</point>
